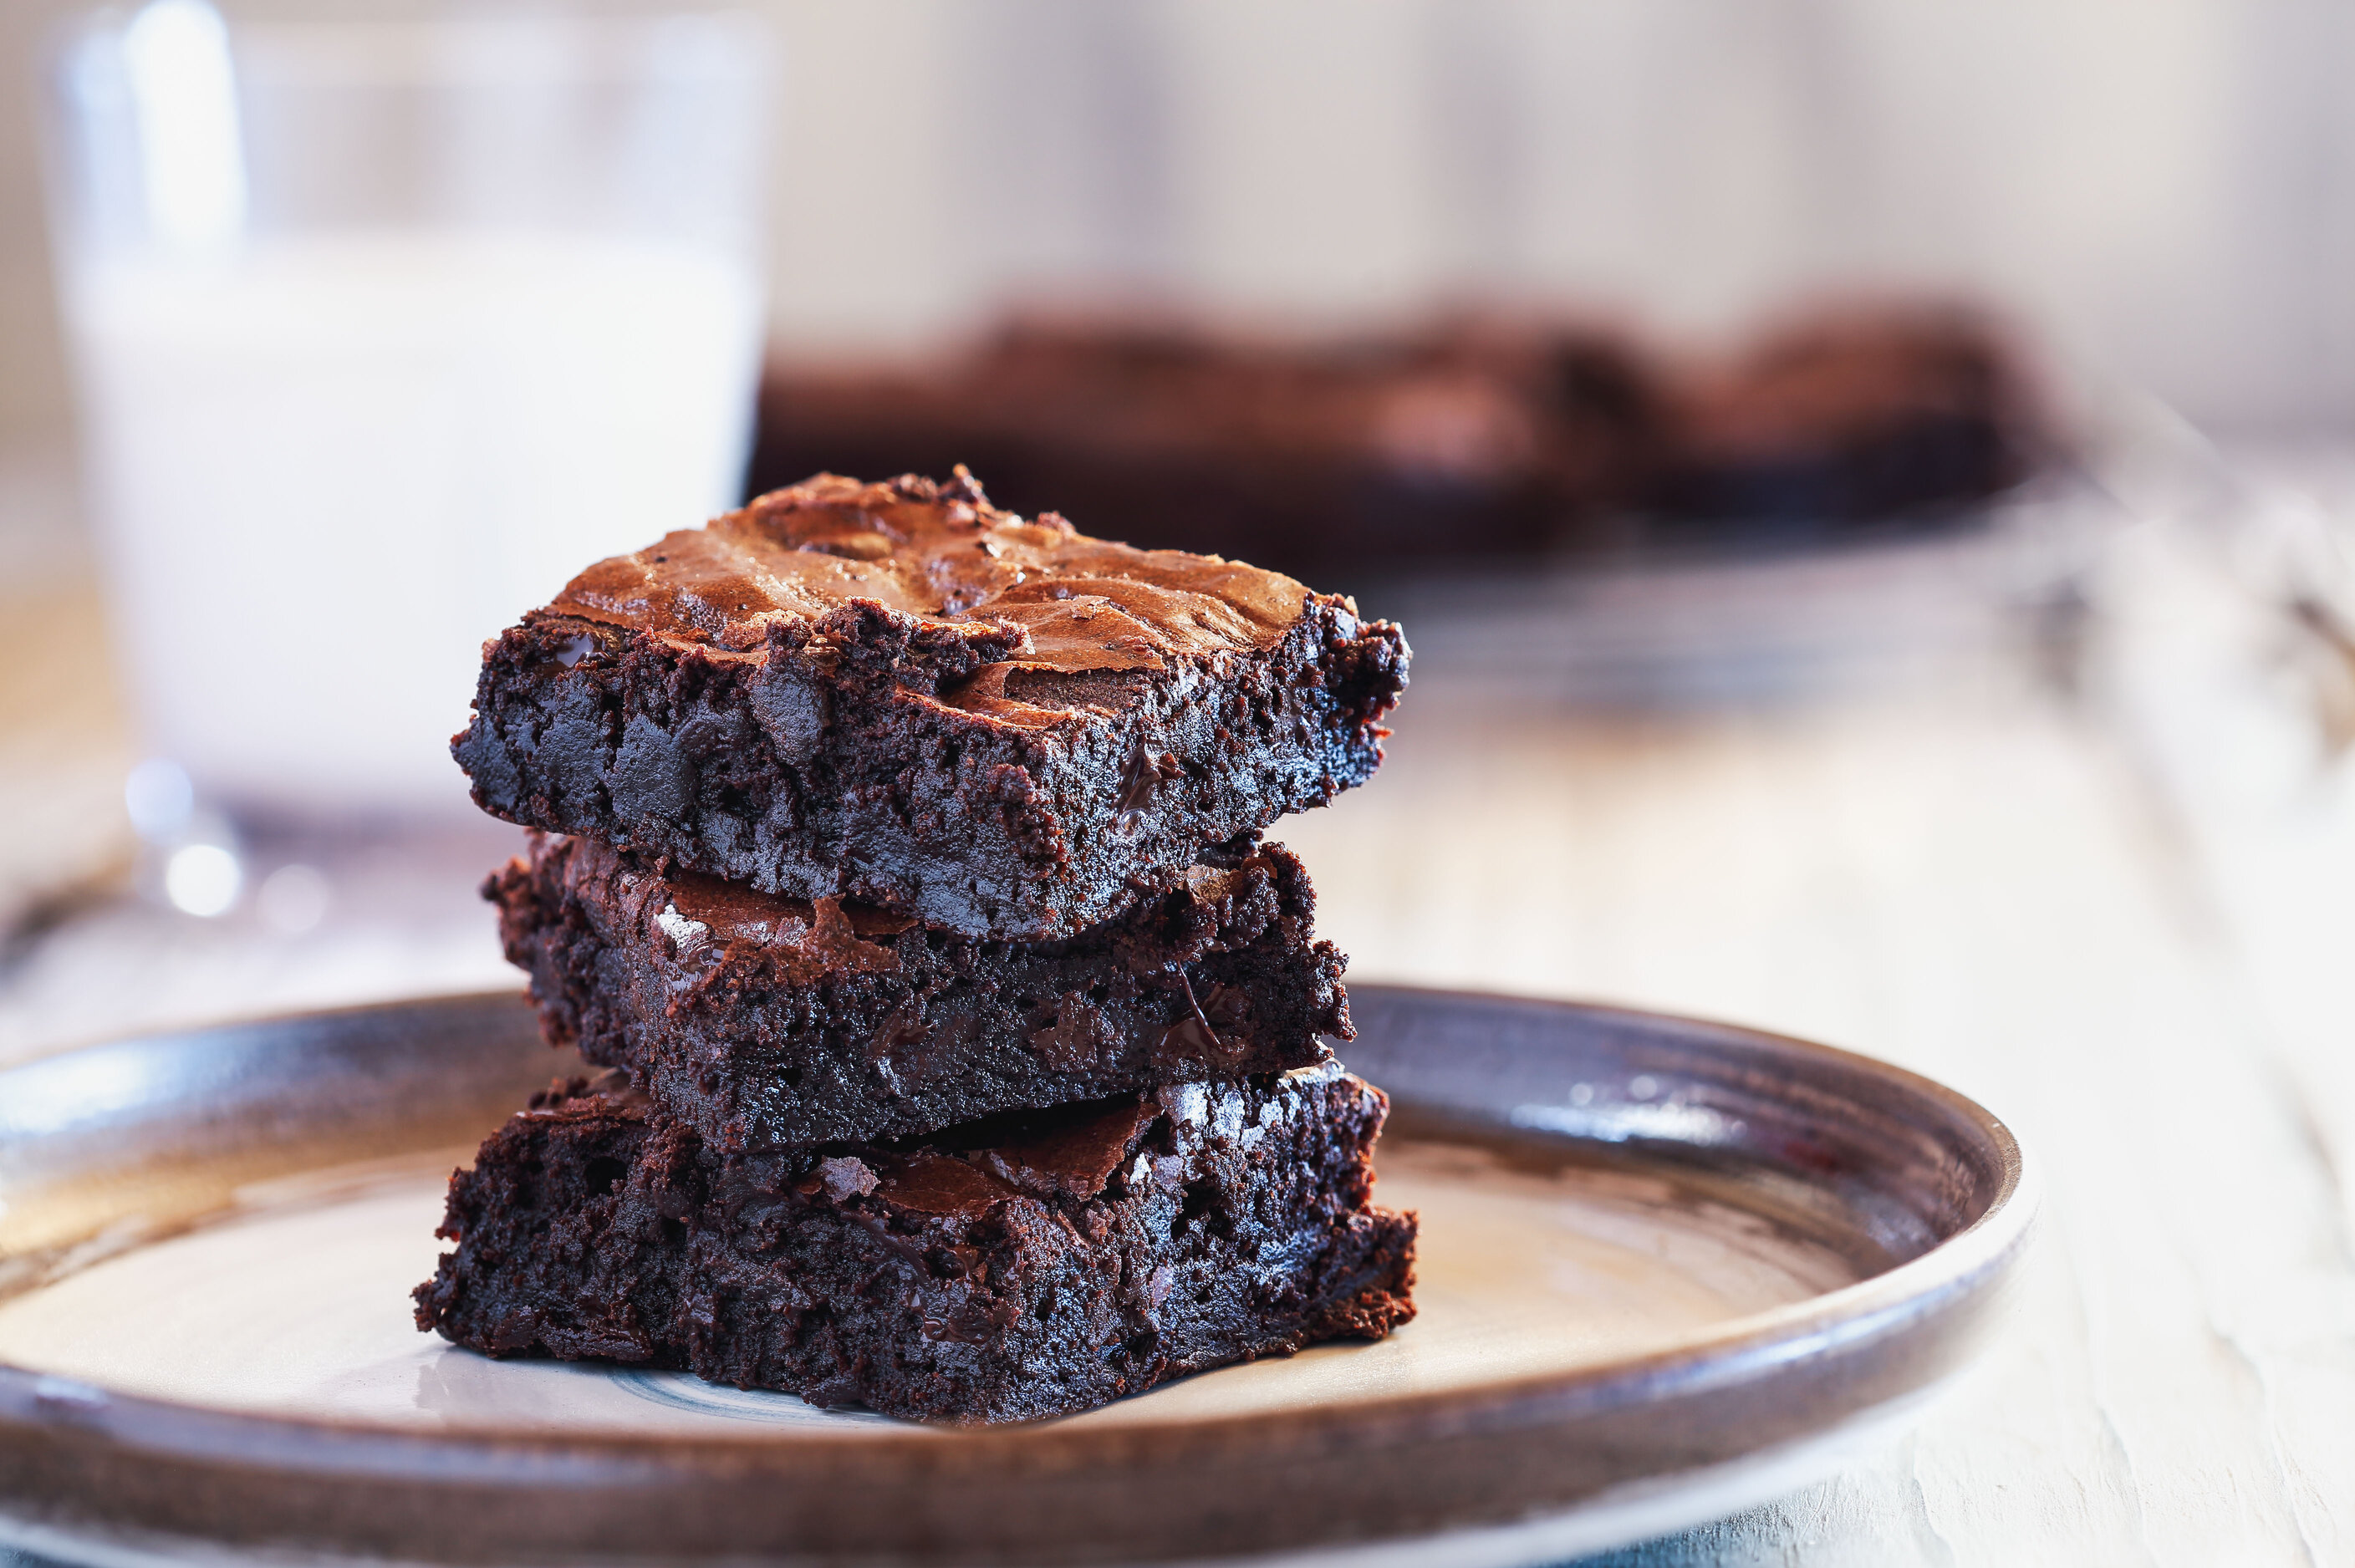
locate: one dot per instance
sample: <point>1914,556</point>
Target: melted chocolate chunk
<point>1076,1161</point>
<point>928,1183</point>
<point>1138,781</point>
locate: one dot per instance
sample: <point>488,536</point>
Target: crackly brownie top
<point>1033,594</point>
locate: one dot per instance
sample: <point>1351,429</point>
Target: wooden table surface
<point>2121,914</point>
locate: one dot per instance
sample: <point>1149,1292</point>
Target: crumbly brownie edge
<point>980,1286</point>
<point>762,1023</point>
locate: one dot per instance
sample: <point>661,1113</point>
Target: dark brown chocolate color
<point>1849,419</point>
<point>763,1020</point>
<point>1032,1268</point>
<point>1462,441</point>
<point>1466,440</point>
<point>898,695</point>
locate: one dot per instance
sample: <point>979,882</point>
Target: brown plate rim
<point>1962,1272</point>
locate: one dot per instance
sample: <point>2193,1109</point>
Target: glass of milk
<point>383,331</point>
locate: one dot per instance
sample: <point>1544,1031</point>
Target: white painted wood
<point>1983,884</point>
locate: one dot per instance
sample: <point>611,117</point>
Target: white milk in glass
<point>327,468</point>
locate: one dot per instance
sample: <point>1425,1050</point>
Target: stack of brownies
<point>962,1039</point>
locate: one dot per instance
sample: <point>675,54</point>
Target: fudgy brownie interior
<point>761,1020</point>
<point>1031,1266</point>
<point>899,695</point>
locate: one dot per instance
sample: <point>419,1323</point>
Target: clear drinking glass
<point>382,330</point>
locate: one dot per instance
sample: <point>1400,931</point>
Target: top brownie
<point>899,695</point>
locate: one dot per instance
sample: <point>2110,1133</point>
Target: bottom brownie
<point>1025,1267</point>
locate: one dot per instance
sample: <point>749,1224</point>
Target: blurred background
<point>1674,371</point>
<point>1869,485</point>
<point>2173,198</point>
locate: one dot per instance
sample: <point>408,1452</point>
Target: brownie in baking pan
<point>1027,1268</point>
<point>761,1020</point>
<point>898,695</point>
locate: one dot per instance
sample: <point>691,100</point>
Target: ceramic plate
<point>1667,1269</point>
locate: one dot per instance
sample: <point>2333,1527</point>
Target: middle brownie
<point>763,1021</point>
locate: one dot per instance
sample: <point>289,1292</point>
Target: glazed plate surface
<point>1667,1269</point>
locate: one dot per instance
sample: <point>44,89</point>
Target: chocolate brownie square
<point>761,1020</point>
<point>1030,1267</point>
<point>899,695</point>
